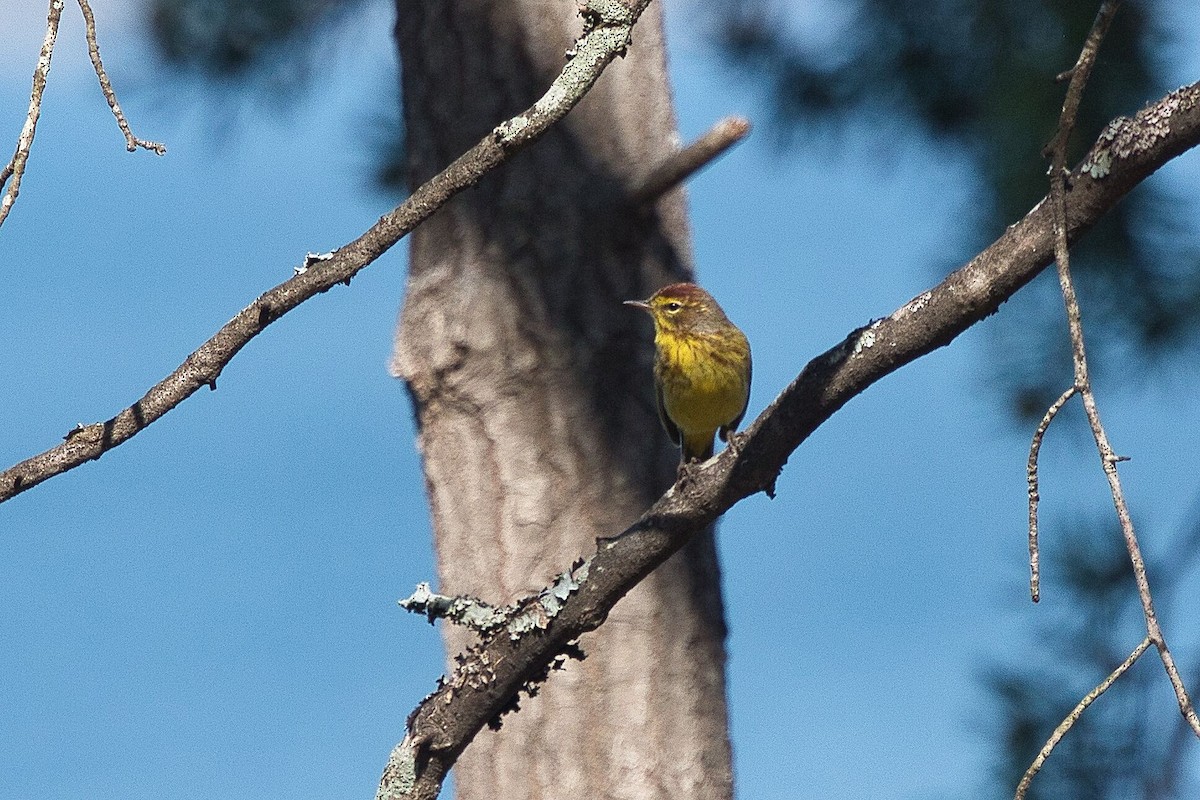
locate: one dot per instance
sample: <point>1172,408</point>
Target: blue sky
<point>209,610</point>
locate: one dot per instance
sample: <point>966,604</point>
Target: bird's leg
<point>687,467</point>
<point>730,439</point>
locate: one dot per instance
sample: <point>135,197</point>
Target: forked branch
<point>15,168</point>
<point>1073,717</point>
<point>1059,183</point>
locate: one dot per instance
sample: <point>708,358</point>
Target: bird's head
<point>682,307</point>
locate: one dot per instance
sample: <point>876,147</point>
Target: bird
<point>702,368</point>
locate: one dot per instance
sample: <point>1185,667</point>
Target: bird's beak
<point>642,304</point>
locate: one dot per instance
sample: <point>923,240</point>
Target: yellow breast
<point>703,389</point>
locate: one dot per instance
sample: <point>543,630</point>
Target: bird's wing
<point>733,426</point>
<point>672,428</point>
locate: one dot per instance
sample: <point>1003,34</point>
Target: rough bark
<point>531,386</point>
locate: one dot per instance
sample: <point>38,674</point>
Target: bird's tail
<point>698,448</point>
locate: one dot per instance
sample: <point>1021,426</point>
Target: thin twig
<point>1108,458</point>
<point>15,168</point>
<point>1165,785</point>
<point>683,164</point>
<point>1079,74</point>
<point>1073,717</point>
<point>132,143</point>
<point>1031,476</point>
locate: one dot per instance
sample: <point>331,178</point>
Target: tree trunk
<point>532,388</point>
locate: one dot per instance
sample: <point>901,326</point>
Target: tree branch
<point>1083,383</point>
<point>1073,717</point>
<point>490,675</point>
<point>1031,477</point>
<point>606,35</point>
<point>1078,75</point>
<point>15,168</point>
<point>690,160</point>
<point>132,142</point>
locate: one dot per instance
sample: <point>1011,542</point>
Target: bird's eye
<point>674,306</point>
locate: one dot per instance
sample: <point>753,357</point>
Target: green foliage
<point>226,40</point>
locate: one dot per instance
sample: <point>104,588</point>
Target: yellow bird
<point>701,369</point>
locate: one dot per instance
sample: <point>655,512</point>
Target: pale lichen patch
<point>866,339</point>
<point>1125,137</point>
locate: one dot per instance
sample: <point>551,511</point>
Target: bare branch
<point>1073,717</point>
<point>691,159</point>
<point>15,168</point>
<point>1078,76</point>
<point>442,725</point>
<point>606,36</point>
<point>1031,476</point>
<point>132,143</point>
<point>1108,458</point>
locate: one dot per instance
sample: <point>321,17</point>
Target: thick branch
<point>606,36</point>
<point>691,159</point>
<point>442,726</point>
